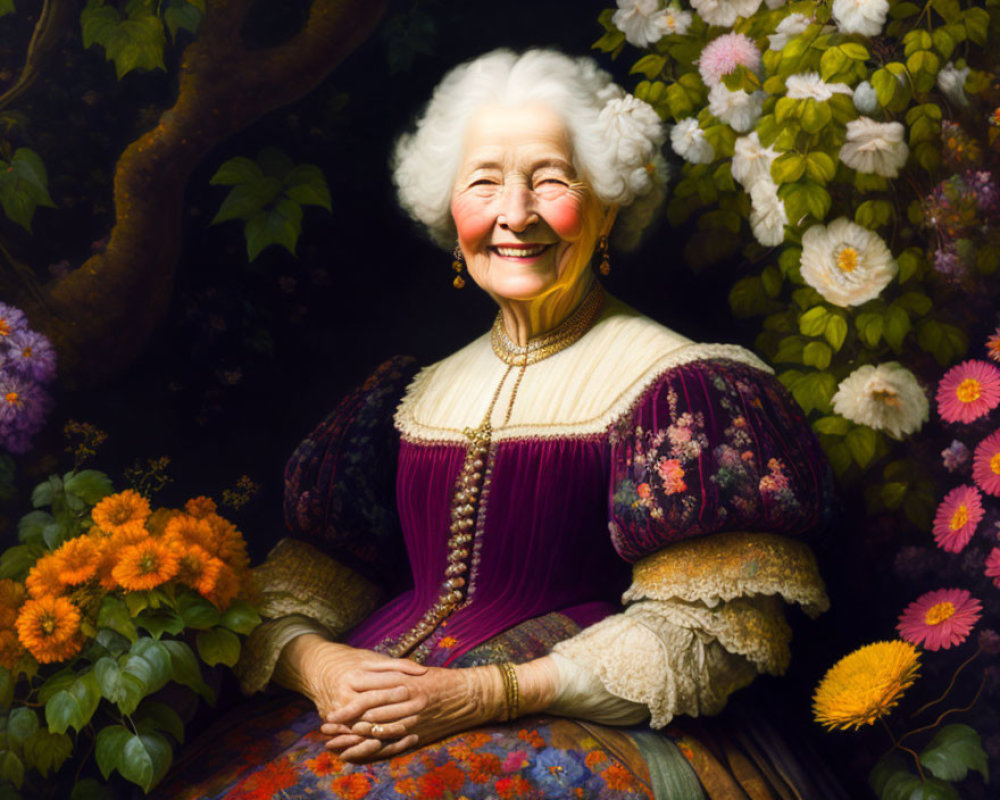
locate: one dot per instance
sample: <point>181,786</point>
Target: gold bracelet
<point>511,690</point>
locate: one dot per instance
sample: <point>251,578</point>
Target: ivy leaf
<point>24,187</point>
<point>181,15</point>
<point>954,750</point>
<point>306,185</point>
<point>136,42</point>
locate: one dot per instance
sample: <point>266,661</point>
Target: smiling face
<point>526,222</point>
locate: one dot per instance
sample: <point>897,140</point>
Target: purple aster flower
<point>12,320</point>
<point>955,456</point>
<point>981,183</point>
<point>948,263</point>
<point>32,355</point>
<point>23,407</point>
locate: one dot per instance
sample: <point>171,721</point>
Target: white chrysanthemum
<point>689,142</point>
<point>676,20</point>
<point>951,81</point>
<point>865,98</point>
<point>635,128</point>
<point>886,397</point>
<point>866,17</point>
<point>737,109</point>
<point>724,12</point>
<point>751,162</point>
<point>642,21</point>
<point>875,147</point>
<point>790,27</point>
<point>809,85</point>
<point>847,264</point>
<point>767,213</point>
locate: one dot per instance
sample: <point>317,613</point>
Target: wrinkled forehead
<point>498,133</point>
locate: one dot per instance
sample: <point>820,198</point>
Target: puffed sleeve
<point>717,487</point>
<point>344,541</point>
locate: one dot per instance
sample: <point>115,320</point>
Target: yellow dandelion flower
<point>865,685</point>
<point>118,512</point>
<point>45,578</point>
<point>200,507</point>
<point>145,565</point>
<point>78,559</point>
<point>49,627</point>
<point>11,649</point>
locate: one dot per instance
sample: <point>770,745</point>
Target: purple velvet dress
<point>708,446</point>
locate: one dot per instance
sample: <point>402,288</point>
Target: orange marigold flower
<point>78,560</point>
<point>45,578</point>
<point>125,510</point>
<point>229,544</point>
<point>12,594</point>
<point>11,648</point>
<point>200,507</point>
<point>198,568</point>
<point>227,586</point>
<point>157,522</point>
<point>48,627</point>
<point>618,778</point>
<point>191,530</point>
<point>593,758</point>
<point>353,786</point>
<point>145,565</point>
<point>326,763</point>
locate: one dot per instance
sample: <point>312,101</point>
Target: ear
<point>610,214</point>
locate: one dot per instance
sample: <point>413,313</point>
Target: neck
<point>525,319</point>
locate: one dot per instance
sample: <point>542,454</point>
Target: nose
<point>517,208</point>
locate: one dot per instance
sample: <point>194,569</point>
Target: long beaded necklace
<point>472,487</point>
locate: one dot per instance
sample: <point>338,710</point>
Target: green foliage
<point>24,186</point>
<point>268,194</point>
<point>7,7</point>
<point>954,750</point>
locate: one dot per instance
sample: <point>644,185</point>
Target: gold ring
<point>377,731</point>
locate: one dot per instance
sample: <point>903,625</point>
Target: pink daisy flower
<point>968,391</point>
<point>993,345</point>
<point>957,517</point>
<point>724,54</point>
<point>940,619</point>
<point>993,566</point>
<point>986,464</point>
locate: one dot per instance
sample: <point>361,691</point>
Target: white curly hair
<point>616,138</point>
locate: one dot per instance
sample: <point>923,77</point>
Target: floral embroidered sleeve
<point>716,483</point>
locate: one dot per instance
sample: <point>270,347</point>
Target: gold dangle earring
<point>458,265</point>
<point>602,251</point>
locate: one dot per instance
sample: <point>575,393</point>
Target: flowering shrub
<point>100,605</point>
<point>27,365</point>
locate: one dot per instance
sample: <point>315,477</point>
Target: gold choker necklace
<point>548,344</point>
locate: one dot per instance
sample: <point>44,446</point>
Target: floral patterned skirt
<point>272,748</point>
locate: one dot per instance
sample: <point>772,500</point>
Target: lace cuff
<point>721,567</point>
<point>303,591</point>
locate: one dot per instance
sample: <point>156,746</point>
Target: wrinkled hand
<point>335,676</point>
<point>432,705</point>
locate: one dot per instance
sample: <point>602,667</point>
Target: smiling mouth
<point>520,250</point>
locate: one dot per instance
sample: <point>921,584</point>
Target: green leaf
<point>181,15</point>
<point>153,716</point>
<point>21,724</point>
<point>280,224</point>
<point>158,658</point>
<point>885,85</point>
<point>145,759</point>
<point>893,494</point>
<point>114,614</point>
<point>909,264</point>
<point>748,298</point>
<point>47,751</point>
<point>924,67</point>
<point>246,200</point>
<point>820,167</point>
<point>197,612</point>
<point>307,186</point>
<point>237,170</point>
<point>917,39</point>
<point>813,322</point>
<point>832,425</point>
<point>6,688</point>
<point>836,331</point>
<point>109,679</point>
<point>16,561</point>
<point>650,65</point>
<point>29,529</point>
<point>242,618</point>
<point>833,62</point>
<point>861,442</point>
<point>91,789</point>
<point>218,646</point>
<point>873,214</point>
<point>977,25</point>
<point>186,670</point>
<point>816,115</point>
<point>954,750</point>
<point>11,769</point>
<point>788,167</point>
<point>160,621</point>
<point>24,186</point>
<point>58,682</point>
<point>75,705</point>
<point>943,43</point>
<point>109,747</point>
<point>7,7</point>
<point>817,354</point>
<point>897,325</point>
<point>89,485</point>
<point>790,350</point>
<point>915,302</point>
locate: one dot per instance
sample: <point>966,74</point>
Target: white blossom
<point>767,213</point>
<point>809,85</point>
<point>885,397</point>
<point>751,162</point>
<point>866,17</point>
<point>737,109</point>
<point>875,147</point>
<point>677,20</point>
<point>689,142</point>
<point>642,21</point>
<point>865,98</point>
<point>724,12</point>
<point>847,264</point>
<point>951,81</point>
<point>790,27</point>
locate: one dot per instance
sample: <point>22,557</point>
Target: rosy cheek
<point>565,216</point>
<point>473,219</point>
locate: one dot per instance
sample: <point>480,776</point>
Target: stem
<point>951,685</point>
<point>896,745</point>
<point>944,714</point>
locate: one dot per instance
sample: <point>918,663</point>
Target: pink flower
<point>993,345</point>
<point>968,391</point>
<point>957,517</point>
<point>993,566</point>
<point>940,619</point>
<point>672,475</point>
<point>724,54</point>
<point>986,464</point>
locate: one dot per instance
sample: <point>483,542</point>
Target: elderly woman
<point>508,662</point>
